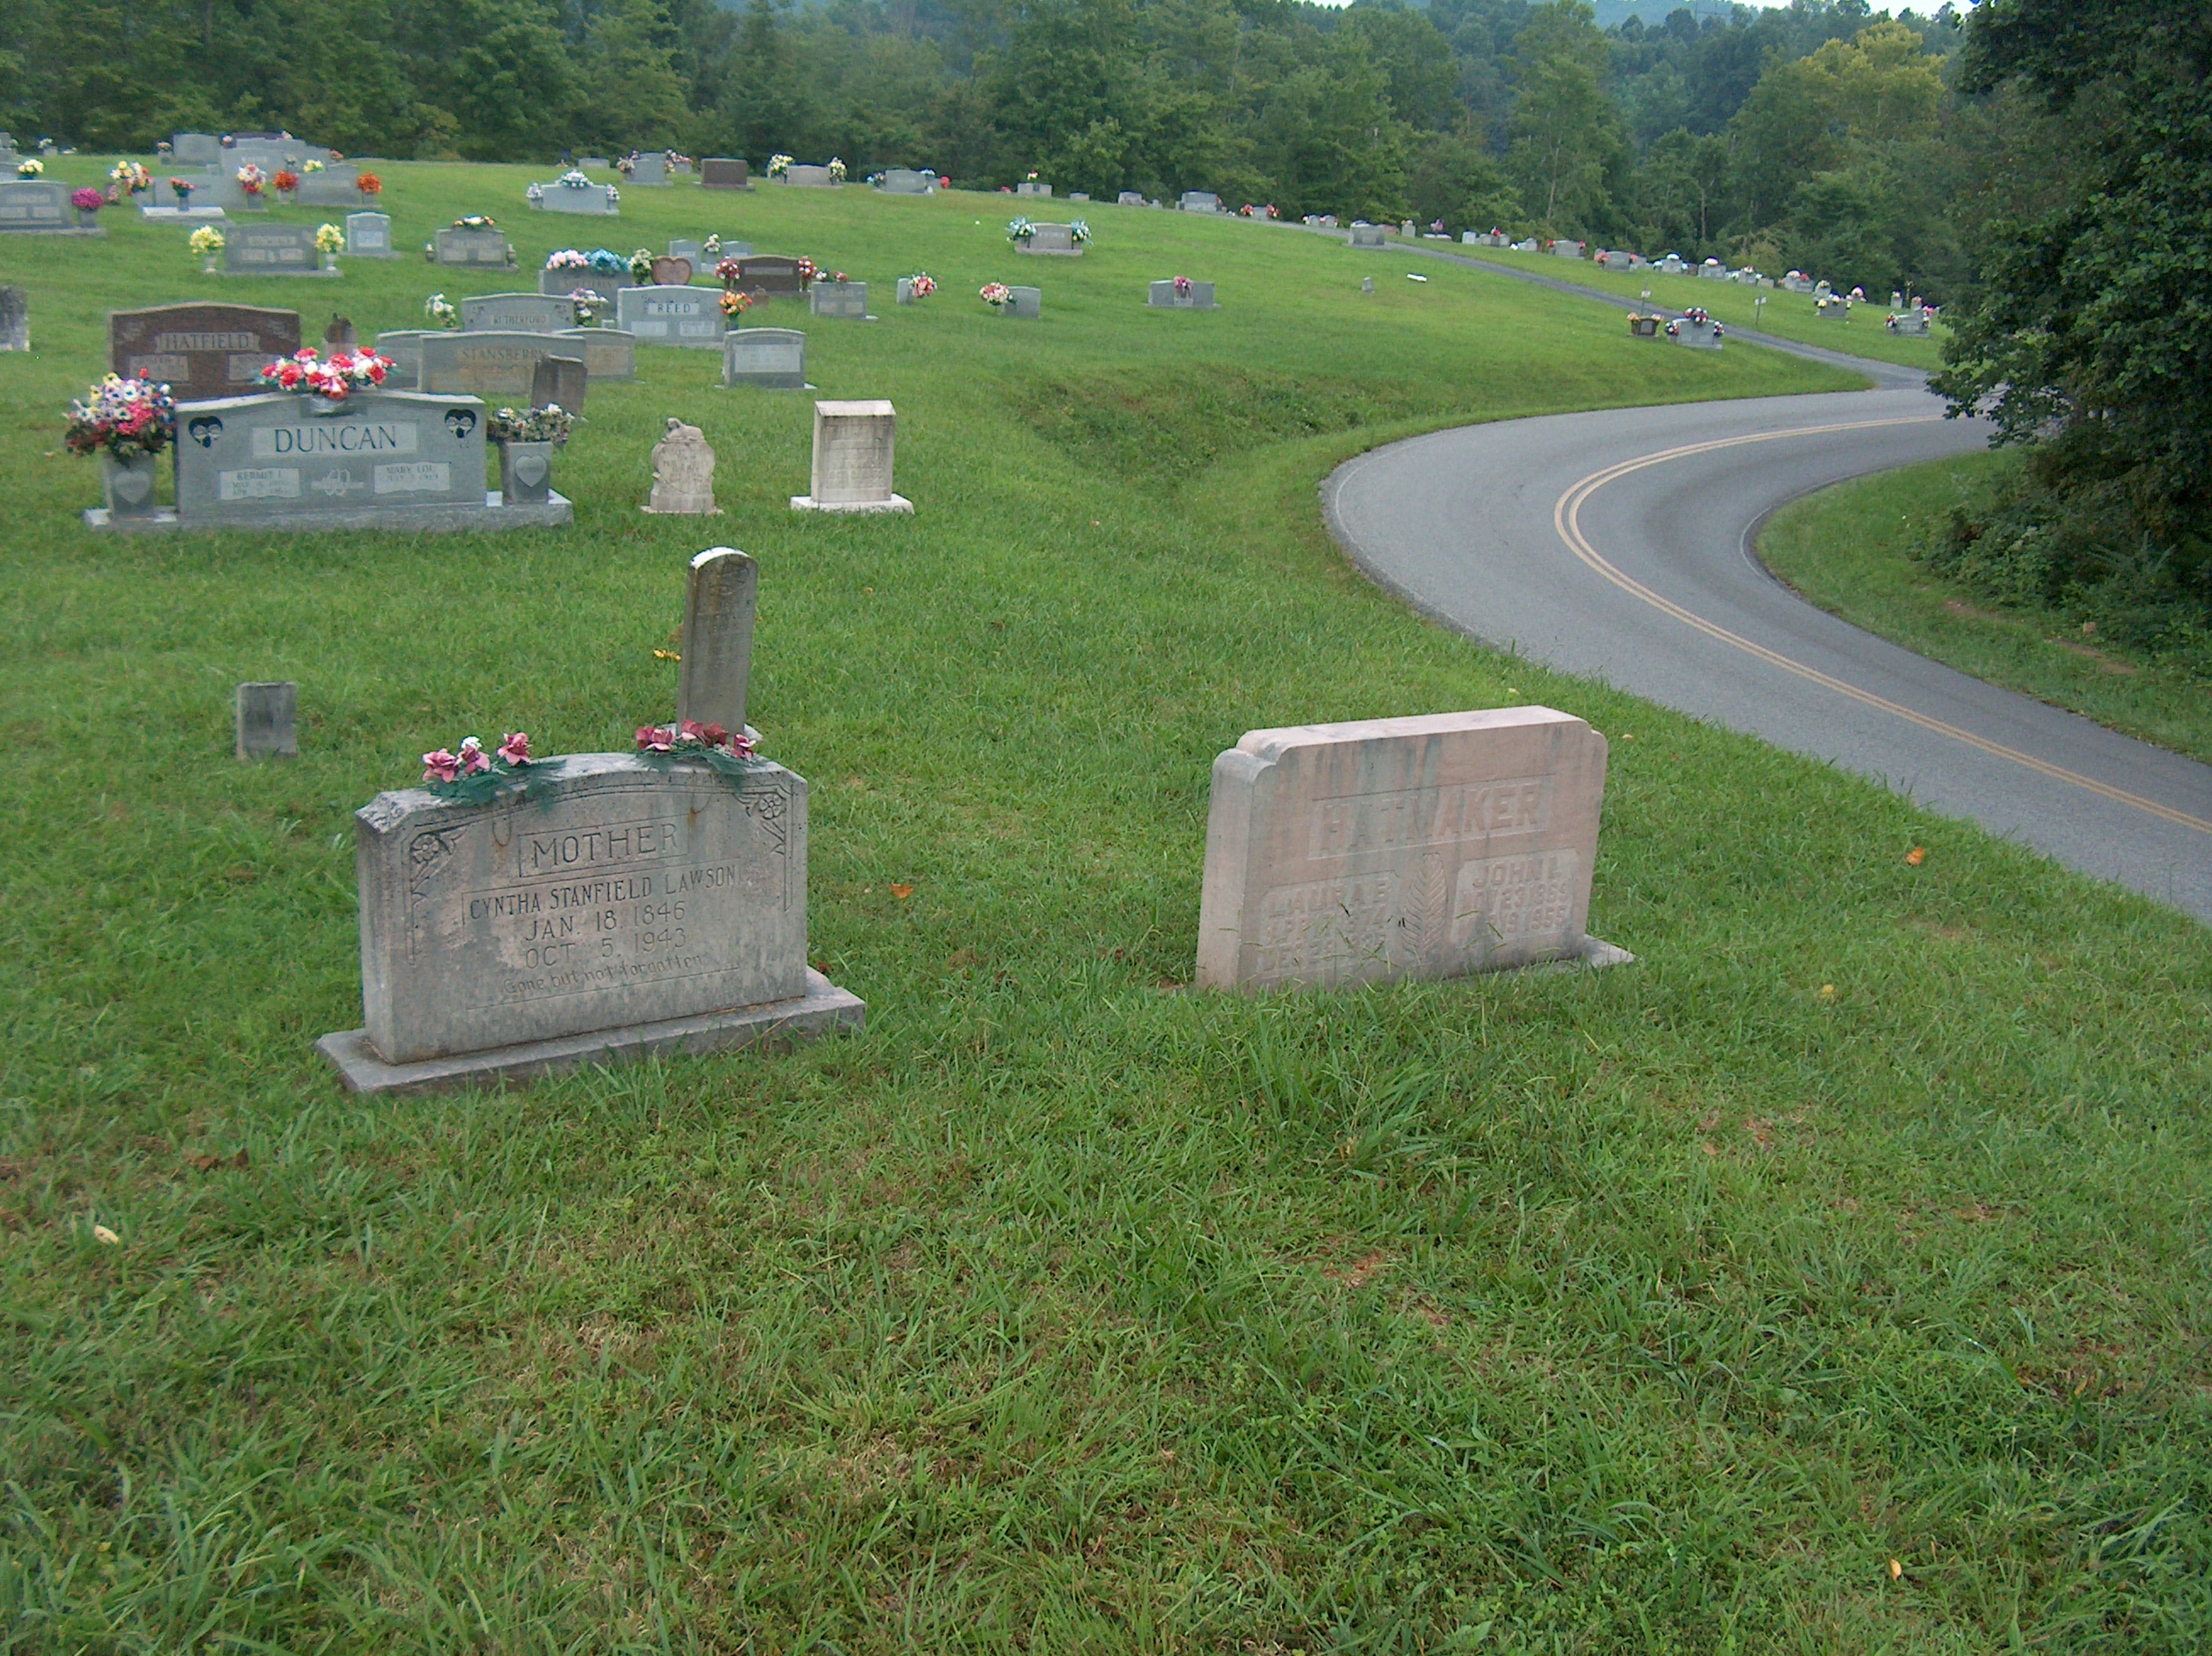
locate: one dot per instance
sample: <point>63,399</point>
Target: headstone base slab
<point>94,230</point>
<point>824,1009</point>
<point>898,503</point>
<point>494,514</point>
<point>323,274</point>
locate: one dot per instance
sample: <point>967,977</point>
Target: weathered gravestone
<point>1032,187</point>
<point>195,149</point>
<point>770,275</point>
<point>380,460</point>
<point>565,282</point>
<point>1163,295</point>
<point>1028,304</point>
<point>15,318</point>
<point>1200,201</point>
<point>717,641</point>
<point>272,250</point>
<point>1368,236</point>
<point>650,168</point>
<point>905,181</point>
<point>671,316</point>
<point>682,474</point>
<point>844,299</point>
<point>723,172</point>
<point>266,721</point>
<point>1566,249</point>
<point>773,359</point>
<point>480,248</point>
<point>499,368</point>
<point>560,382</point>
<point>625,904</point>
<point>608,353</point>
<point>517,313</point>
<point>1129,198</point>
<point>37,207</point>
<point>405,347</point>
<point>852,452</point>
<point>591,200</point>
<point>812,178</point>
<point>368,235</point>
<point>1910,322</point>
<point>200,351</point>
<point>1054,239</point>
<point>1430,846</point>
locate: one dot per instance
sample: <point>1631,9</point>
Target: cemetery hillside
<point>854,829</point>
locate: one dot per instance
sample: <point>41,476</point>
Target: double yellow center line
<point>1566,518</point>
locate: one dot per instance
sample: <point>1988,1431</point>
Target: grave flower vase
<point>207,263</point>
<point>526,473</point>
<point>87,217</point>
<point>128,485</point>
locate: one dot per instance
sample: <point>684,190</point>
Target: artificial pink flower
<point>656,739</point>
<point>473,758</point>
<point>441,766</point>
<point>515,748</point>
<point>692,730</point>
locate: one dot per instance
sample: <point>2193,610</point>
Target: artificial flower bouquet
<point>335,377</point>
<point>126,418</point>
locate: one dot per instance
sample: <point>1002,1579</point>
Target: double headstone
<point>1566,249</point>
<point>810,178</point>
<point>482,249</point>
<point>606,284</point>
<point>196,150</point>
<point>770,275</point>
<point>773,359</point>
<point>1032,187</point>
<point>1129,198</point>
<point>1051,238</point>
<point>1429,847</point>
<point>368,235</point>
<point>1699,336</point>
<point>848,300</point>
<point>498,367</point>
<point>723,172</point>
<point>517,313</point>
<point>650,168</point>
<point>627,904</point>
<point>905,181</point>
<point>671,316</point>
<point>591,200</point>
<point>200,351</point>
<point>852,452</point>
<point>1163,296</point>
<point>272,250</point>
<point>1200,201</point>
<point>1368,236</point>
<point>290,462</point>
<point>39,207</point>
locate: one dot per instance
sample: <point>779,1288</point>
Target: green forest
<point>2043,168</point>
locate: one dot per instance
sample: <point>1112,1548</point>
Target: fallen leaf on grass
<point>901,892</point>
<point>1896,1569</point>
<point>210,1164</point>
<point>101,1233</point>
<point>1916,856</point>
<point>667,655</point>
<point>1827,991</point>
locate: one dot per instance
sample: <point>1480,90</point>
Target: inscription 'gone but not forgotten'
<point>618,894</point>
<point>1401,847</point>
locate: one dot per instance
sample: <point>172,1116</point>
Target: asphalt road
<point>1618,544</point>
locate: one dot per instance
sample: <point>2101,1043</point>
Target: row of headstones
<point>1336,855</point>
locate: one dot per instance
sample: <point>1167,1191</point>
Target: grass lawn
<point>1854,548</point>
<point>1785,315</point>
<point>1831,1280</point>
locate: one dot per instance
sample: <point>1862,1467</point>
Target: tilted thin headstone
<point>717,639</point>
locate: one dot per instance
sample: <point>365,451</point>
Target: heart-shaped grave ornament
<point>204,430</point>
<point>132,488</point>
<point>461,421</point>
<point>530,469</point>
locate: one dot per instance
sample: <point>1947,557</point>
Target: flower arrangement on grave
<point>836,170</point>
<point>807,272</point>
<point>608,263</point>
<point>712,246</point>
<point>311,166</point>
<point>370,186</point>
<point>1019,230</point>
<point>641,265</point>
<point>476,222</point>
<point>585,304</point>
<point>729,752</point>
<point>207,242</point>
<point>728,272</point>
<point>997,295</point>
<point>1182,287</point>
<point>440,309</point>
<point>534,194</point>
<point>335,377</point>
<point>182,189</point>
<point>329,239</point>
<point>574,179</point>
<point>1032,177</point>
<point>88,200</point>
<point>567,258</point>
<point>251,178</point>
<point>922,284</point>
<point>613,195</point>
<point>131,176</point>
<point>30,167</point>
<point>835,278</point>
<point>1078,232</point>
<point>778,166</point>
<point>286,182</point>
<point>735,303</point>
<point>126,418</point>
<point>550,423</point>
<point>474,776</point>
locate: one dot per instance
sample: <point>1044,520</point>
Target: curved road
<point>1618,544</point>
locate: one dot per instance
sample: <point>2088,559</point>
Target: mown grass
<point>1858,550</point>
<point>1658,1309</point>
<point>1784,315</point>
